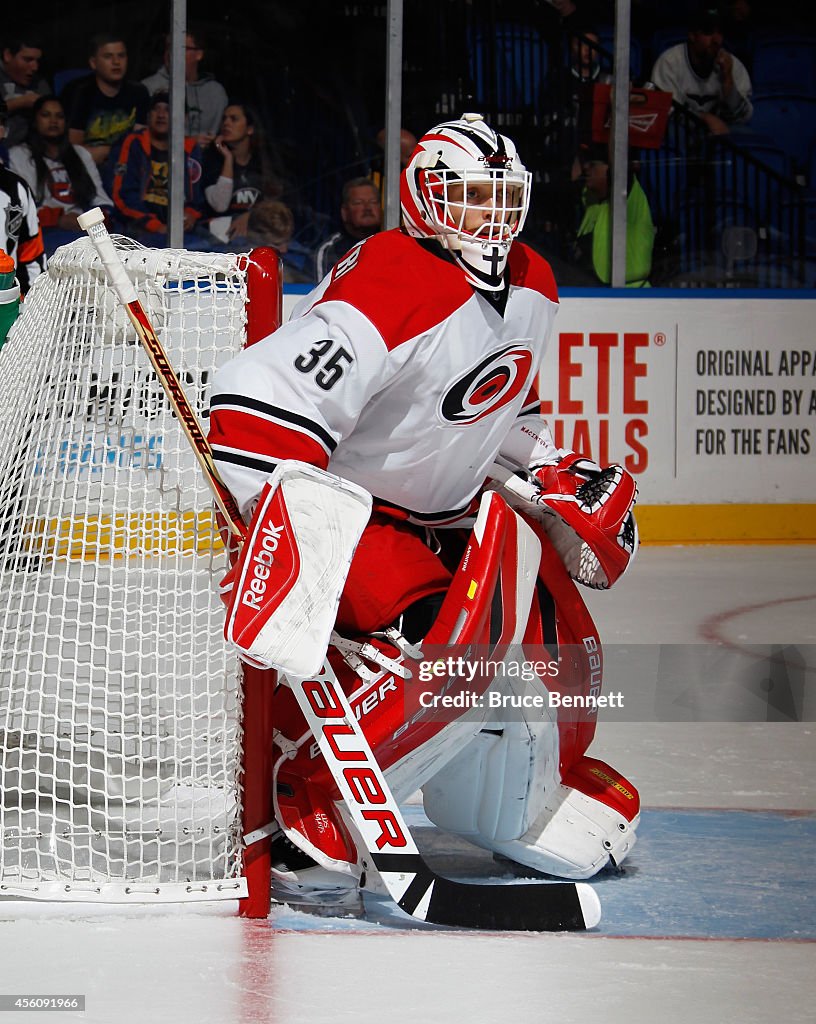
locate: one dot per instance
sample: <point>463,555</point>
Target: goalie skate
<point>303,885</point>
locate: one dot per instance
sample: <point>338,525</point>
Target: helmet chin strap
<point>491,278</point>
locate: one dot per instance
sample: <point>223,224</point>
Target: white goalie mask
<point>466,186</point>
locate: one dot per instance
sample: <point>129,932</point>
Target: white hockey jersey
<point>397,375</point>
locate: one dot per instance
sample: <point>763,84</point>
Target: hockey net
<point>121,710</point>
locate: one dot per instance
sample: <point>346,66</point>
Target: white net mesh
<point>119,704</point>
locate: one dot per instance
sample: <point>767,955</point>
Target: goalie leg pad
<point>582,824</point>
<point>411,749</point>
<point>286,585</point>
<point>493,789</point>
<point>315,865</point>
<point>587,823</point>
<point>305,807</point>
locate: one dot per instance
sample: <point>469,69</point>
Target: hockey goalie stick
<point>414,887</point>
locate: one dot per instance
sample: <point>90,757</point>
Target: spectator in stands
<point>106,106</point>
<point>20,84</point>
<point>585,65</point>
<point>205,97</point>
<point>593,245</point>
<point>710,81</point>
<point>570,102</point>
<point>237,174</point>
<point>565,117</point>
<point>62,177</point>
<point>20,235</point>
<point>271,222</point>
<point>361,214</point>
<point>141,180</point>
<point>407,145</point>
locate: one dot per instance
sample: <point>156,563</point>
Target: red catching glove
<point>593,529</point>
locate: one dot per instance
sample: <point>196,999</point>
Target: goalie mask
<point>467,187</point>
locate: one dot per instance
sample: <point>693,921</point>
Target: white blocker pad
<point>293,567</point>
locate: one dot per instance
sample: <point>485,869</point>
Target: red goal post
<point>263,316</point>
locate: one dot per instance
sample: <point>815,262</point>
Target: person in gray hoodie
<point>205,98</point>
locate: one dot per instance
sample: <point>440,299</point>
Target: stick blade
<point>532,907</point>
<point>513,907</point>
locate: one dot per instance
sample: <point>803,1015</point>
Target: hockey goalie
<point>403,494</point>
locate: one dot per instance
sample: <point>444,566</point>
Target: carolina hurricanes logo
<point>488,387</point>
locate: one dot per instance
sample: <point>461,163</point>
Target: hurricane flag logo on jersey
<point>488,387</point>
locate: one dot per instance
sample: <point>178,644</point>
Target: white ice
<point>208,967</point>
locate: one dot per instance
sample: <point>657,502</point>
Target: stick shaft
<point>123,286</point>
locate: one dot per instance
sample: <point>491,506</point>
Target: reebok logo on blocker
<point>261,563</point>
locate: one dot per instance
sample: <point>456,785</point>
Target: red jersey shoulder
<point>529,270</point>
<point>401,287</point>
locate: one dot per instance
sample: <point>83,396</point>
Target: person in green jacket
<point>593,244</point>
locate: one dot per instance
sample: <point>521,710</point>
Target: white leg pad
<point>574,836</point>
<point>495,787</point>
<point>503,793</point>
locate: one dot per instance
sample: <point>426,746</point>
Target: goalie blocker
<point>282,594</point>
